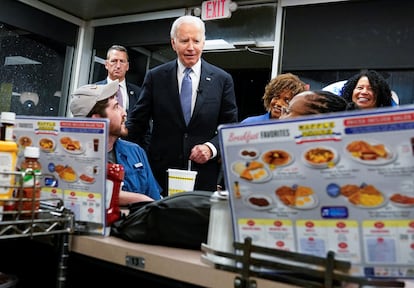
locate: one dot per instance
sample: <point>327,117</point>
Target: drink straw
<point>189,165</point>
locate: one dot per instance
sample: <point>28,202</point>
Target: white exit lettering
<point>215,9</point>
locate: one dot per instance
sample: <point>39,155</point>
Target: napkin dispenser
<point>220,232</point>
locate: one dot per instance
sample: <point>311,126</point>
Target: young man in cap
<point>99,101</point>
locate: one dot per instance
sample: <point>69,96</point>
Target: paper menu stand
<point>373,231</point>
<point>74,167</point>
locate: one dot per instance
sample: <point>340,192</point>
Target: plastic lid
<point>32,152</point>
<point>8,117</point>
<point>220,195</point>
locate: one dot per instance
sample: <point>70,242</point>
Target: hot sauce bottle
<point>31,168</point>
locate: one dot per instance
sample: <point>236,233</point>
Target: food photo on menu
<point>253,167</point>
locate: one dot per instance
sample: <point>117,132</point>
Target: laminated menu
<point>73,159</point>
<point>331,182</point>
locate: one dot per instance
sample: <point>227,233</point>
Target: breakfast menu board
<point>73,158</point>
<point>331,182</point>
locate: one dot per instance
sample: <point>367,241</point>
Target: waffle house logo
<point>46,127</point>
<point>317,132</point>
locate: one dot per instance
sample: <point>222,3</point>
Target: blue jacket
<point>138,174</point>
<point>253,119</point>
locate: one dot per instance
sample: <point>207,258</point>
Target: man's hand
<point>200,154</point>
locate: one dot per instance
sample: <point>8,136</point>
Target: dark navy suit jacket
<point>172,140</point>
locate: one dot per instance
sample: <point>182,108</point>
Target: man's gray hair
<point>188,19</point>
<point>117,48</point>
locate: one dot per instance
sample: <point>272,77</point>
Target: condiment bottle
<point>7,119</point>
<point>220,232</point>
<point>115,176</point>
<point>31,169</point>
<point>8,154</point>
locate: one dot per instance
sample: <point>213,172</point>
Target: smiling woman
<point>367,89</point>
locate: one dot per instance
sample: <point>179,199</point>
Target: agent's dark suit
<point>172,140</point>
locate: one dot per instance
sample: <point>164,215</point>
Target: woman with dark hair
<point>367,89</point>
<point>315,102</point>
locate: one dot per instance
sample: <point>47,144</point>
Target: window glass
<point>315,38</point>
<point>31,75</point>
<point>322,48</point>
<point>242,27</point>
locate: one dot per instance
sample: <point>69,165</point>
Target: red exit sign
<point>216,9</point>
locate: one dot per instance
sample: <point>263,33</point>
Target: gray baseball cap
<point>85,97</point>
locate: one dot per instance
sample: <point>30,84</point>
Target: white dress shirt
<point>195,79</point>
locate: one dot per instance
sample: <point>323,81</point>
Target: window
<point>31,73</point>
<point>332,49</point>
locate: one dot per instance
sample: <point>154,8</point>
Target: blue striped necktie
<point>186,95</point>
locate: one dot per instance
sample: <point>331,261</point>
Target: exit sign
<point>216,9</point>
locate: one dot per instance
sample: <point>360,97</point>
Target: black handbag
<point>180,220</point>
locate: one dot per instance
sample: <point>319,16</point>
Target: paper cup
<point>180,180</point>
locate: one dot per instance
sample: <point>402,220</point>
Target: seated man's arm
<point>126,198</point>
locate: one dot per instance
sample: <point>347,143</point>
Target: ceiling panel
<point>96,9</point>
<point>99,9</point>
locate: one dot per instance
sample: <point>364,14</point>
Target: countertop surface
<point>179,264</point>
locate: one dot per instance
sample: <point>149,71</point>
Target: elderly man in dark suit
<point>175,139</point>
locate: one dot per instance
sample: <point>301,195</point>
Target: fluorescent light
<point>217,44</point>
<point>265,44</point>
<point>99,60</point>
<point>244,43</point>
<point>19,60</point>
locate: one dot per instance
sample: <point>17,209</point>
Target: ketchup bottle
<point>115,176</point>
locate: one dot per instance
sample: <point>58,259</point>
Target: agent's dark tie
<point>186,93</point>
<point>119,97</point>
